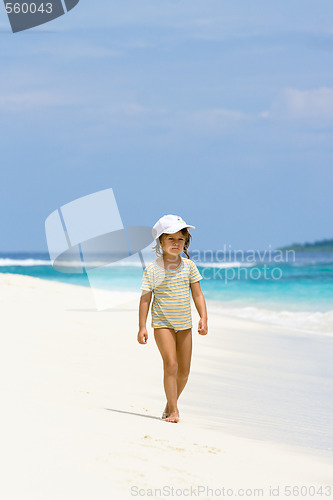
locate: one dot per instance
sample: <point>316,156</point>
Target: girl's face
<point>173,244</point>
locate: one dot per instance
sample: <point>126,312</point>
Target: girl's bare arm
<point>143,313</point>
<point>200,304</point>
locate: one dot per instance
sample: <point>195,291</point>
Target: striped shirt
<point>171,306</point>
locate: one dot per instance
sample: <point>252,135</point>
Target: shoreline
<point>83,395</point>
<point>271,314</point>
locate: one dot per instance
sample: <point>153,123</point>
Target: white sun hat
<point>169,224</point>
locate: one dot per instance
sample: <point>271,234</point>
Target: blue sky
<point>221,112</point>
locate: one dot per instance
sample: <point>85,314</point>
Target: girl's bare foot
<point>166,412</point>
<point>173,417</point>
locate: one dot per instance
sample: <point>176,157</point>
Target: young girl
<point>171,277</point>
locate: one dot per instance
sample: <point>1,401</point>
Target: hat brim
<point>175,230</point>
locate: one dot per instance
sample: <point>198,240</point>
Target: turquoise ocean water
<point>294,289</point>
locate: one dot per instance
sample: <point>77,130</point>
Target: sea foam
<point>311,322</point>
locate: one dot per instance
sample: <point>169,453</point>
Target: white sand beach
<point>82,401</point>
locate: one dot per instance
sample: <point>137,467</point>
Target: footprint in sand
<point>163,443</point>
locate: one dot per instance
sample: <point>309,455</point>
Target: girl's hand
<point>202,327</point>
<point>143,336</point>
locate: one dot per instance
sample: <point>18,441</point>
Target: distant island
<point>317,246</point>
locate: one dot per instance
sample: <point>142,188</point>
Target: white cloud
<point>85,51</point>
<point>217,117</point>
<point>127,109</point>
<point>73,51</point>
<point>24,100</point>
<point>309,105</point>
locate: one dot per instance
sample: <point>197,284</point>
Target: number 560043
<point>30,8</point>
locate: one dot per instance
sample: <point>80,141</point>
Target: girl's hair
<point>187,235</point>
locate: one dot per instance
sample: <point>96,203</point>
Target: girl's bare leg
<point>166,342</point>
<point>182,343</point>
<point>184,354</point>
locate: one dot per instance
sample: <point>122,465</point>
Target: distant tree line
<point>317,246</point>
